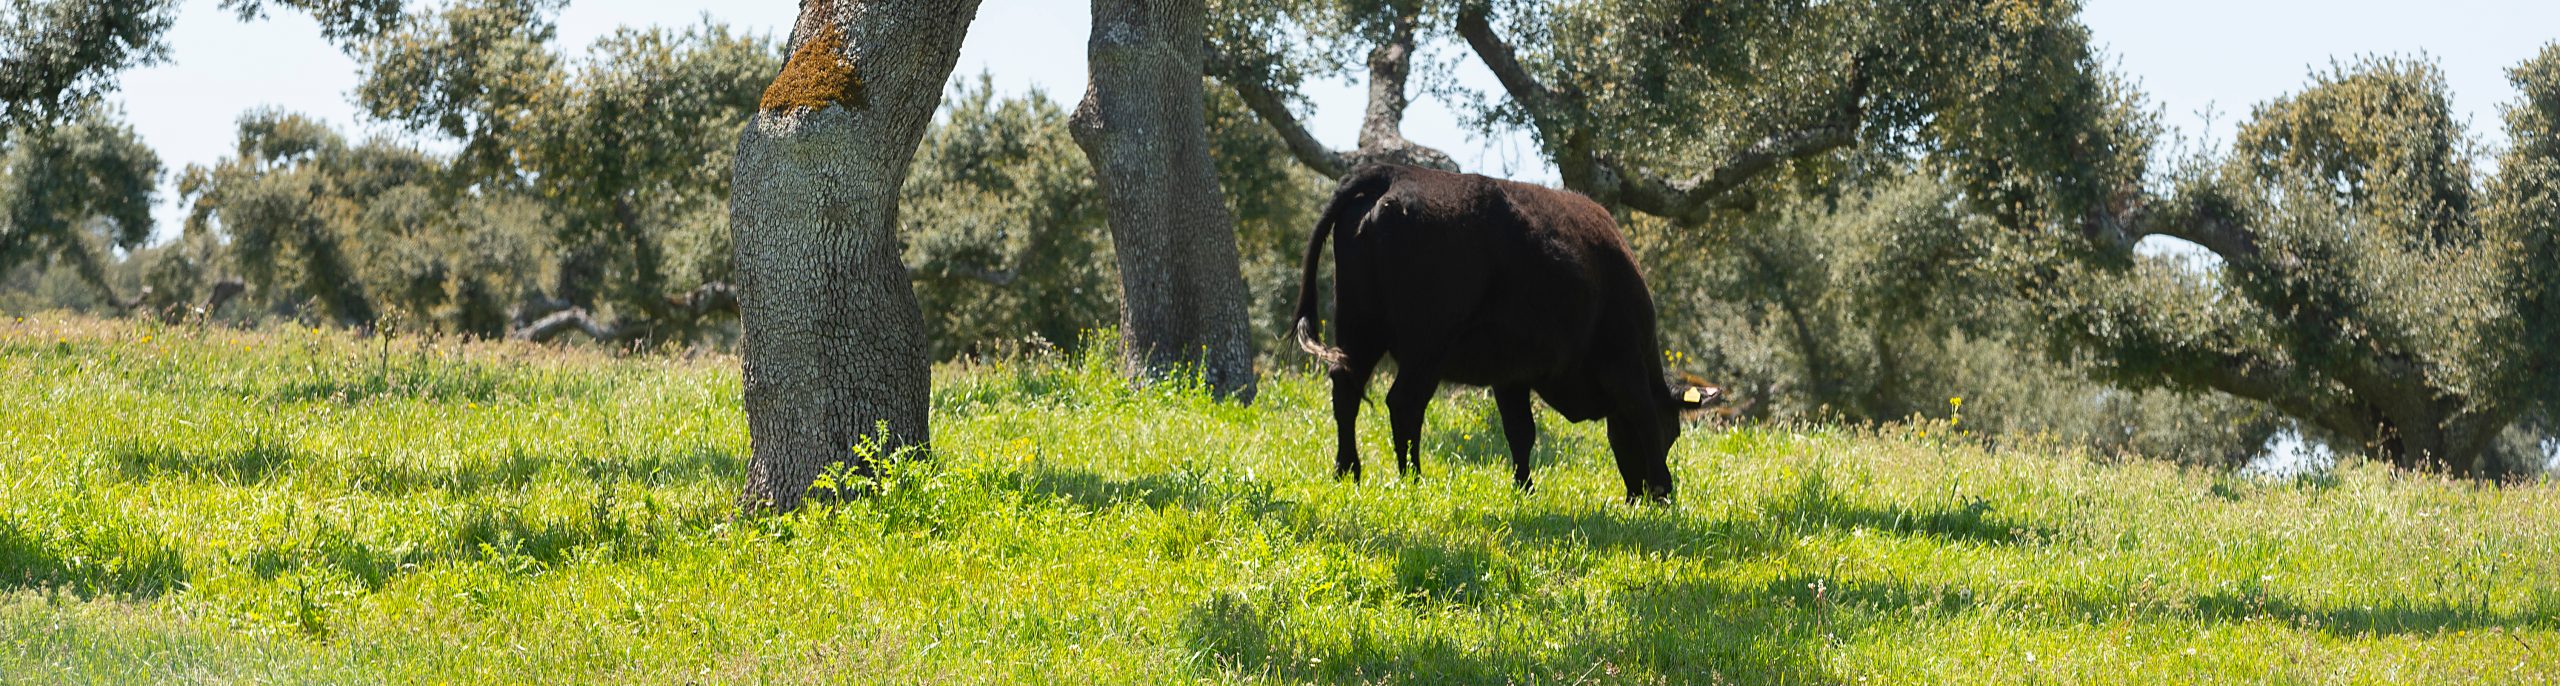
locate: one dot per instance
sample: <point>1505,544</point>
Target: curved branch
<point>1687,201</point>
<point>2201,215</point>
<point>575,319</point>
<point>224,291</point>
<point>1251,84</point>
<point>1382,123</point>
<point>543,319</point>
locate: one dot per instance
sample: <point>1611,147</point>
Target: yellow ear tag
<point>1693,396</point>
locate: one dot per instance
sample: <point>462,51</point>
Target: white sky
<point>2188,55</point>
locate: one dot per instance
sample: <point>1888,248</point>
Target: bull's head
<point>1690,393</point>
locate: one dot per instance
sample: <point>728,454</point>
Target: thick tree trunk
<point>1143,123</point>
<point>834,343</point>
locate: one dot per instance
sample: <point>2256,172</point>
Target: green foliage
<point>343,21</point>
<point>1286,42</point>
<point>2014,101</point>
<point>82,544</point>
<point>638,149</point>
<point>502,513</point>
<point>2368,287</point>
<point>1005,233</point>
<point>2523,197</point>
<point>628,149</point>
<point>70,192</point>
<point>1885,302</point>
<point>361,229</point>
<point>469,72</point>
<point>1673,83</point>
<point>56,54</point>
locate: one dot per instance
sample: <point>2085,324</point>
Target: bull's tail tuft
<point>1310,341</point>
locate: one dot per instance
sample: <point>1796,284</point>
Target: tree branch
<point>1252,86</point>
<point>1686,201</point>
<point>224,291</point>
<point>2200,215</point>
<point>543,319</point>
<point>564,321</point>
<point>2125,336</point>
<point>1382,123</point>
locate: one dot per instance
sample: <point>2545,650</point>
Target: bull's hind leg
<point>1519,428</point>
<point>1406,402</point>
<point>1350,387</point>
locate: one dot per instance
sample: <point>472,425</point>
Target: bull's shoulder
<point>1559,211</point>
<point>1547,198</point>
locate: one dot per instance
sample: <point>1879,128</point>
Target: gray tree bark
<point>834,344</point>
<point>1143,124</point>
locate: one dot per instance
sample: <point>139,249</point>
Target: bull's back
<point>1502,282</point>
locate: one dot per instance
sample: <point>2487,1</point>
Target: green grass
<point>302,507</point>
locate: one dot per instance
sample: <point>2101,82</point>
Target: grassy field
<point>296,506</point>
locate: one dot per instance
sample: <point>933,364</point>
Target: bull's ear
<point>1690,396</point>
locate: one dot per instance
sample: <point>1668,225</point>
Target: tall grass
<point>303,507</point>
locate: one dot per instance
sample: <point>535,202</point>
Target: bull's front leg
<point>1519,428</point>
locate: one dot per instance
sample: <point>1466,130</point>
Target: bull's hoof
<point>1656,499</point>
<point>1346,471</point>
<point>1658,496</point>
<point>1523,483</point>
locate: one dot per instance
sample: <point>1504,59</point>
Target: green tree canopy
<point>57,53</point>
<point>73,191</point>
<point>360,229</point>
<point>1004,231</point>
<point>2370,285</point>
<point>629,147</point>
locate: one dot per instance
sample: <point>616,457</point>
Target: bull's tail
<point>1360,189</point>
<point>1308,328</point>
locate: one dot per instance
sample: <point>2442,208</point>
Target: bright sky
<point>2188,54</point>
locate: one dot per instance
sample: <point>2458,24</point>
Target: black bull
<point>1495,283</point>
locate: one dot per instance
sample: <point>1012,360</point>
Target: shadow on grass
<point>262,460</point>
<point>1704,631</point>
<point>1879,600</point>
<point>1096,492</point>
<point>408,377</point>
<point>89,555</point>
<point>1351,618</point>
<point>2392,619</point>
<point>1479,441</point>
<point>1042,384</point>
<point>1813,507</point>
<point>247,464</point>
<point>518,470</point>
<point>1816,505</point>
<point>1694,632</point>
<point>510,537</point>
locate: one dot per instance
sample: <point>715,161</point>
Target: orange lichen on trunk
<point>818,75</point>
